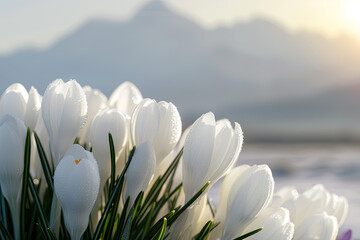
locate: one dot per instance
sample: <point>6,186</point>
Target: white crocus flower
<point>105,122</point>
<point>316,200</point>
<point>275,223</point>
<point>158,123</point>
<point>64,111</point>
<point>76,183</point>
<point>12,139</point>
<point>16,101</point>
<point>319,226</point>
<point>125,98</point>
<point>244,193</point>
<point>211,149</point>
<point>96,101</point>
<point>140,172</point>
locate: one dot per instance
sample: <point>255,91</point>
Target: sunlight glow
<point>353,11</point>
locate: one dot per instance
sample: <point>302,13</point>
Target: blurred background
<point>287,71</point>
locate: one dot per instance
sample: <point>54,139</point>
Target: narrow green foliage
<point>5,232</point>
<point>122,218</point>
<point>45,164</point>
<point>77,140</point>
<point>204,232</point>
<point>43,219</point>
<point>3,217</point>
<point>111,202</point>
<point>249,234</point>
<point>25,182</point>
<point>188,204</point>
<point>161,233</point>
<point>212,207</point>
<point>127,228</point>
<point>113,167</point>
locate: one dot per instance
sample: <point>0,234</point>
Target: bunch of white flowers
<point>76,165</point>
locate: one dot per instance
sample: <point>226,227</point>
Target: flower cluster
<point>81,165</point>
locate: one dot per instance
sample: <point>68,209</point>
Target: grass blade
<point>111,202</point>
<point>43,219</point>
<point>3,209</point>
<point>249,234</point>
<point>5,232</point>
<point>204,232</point>
<point>113,165</point>
<point>172,218</point>
<point>25,183</point>
<point>45,164</point>
<point>125,235</point>
<point>161,234</point>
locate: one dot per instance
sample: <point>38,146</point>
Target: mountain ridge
<point>252,67</point>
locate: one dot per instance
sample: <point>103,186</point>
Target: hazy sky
<point>40,22</point>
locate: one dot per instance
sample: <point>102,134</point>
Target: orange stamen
<point>77,161</point>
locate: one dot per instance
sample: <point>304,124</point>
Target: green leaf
<point>113,167</point>
<point>122,219</point>
<point>25,183</point>
<point>204,232</point>
<point>5,232</point>
<point>125,235</point>
<point>188,204</point>
<point>35,196</point>
<point>110,203</point>
<point>161,233</point>
<point>77,140</point>
<point>3,209</point>
<point>112,218</point>
<point>44,164</point>
<point>249,234</point>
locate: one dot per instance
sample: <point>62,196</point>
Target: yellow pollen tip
<point>77,161</point>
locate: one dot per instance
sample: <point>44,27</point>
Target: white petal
<point>96,101</point>
<point>145,122</point>
<point>169,130</point>
<point>32,108</point>
<point>276,225</point>
<point>13,101</point>
<point>76,183</point>
<point>64,110</point>
<point>251,193</point>
<point>198,149</point>
<point>125,98</point>
<point>140,172</point>
<point>105,122</point>
<point>318,226</point>
<point>12,139</point>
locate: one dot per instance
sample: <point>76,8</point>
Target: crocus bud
<point>76,183</point>
<point>12,145</point>
<point>158,123</point>
<point>125,98</point>
<point>140,172</point>
<point>105,122</point>
<point>318,226</point>
<point>16,101</point>
<point>275,223</point>
<point>244,193</point>
<point>64,110</point>
<point>211,149</point>
<point>96,101</point>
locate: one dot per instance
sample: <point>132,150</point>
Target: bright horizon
<point>40,23</point>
